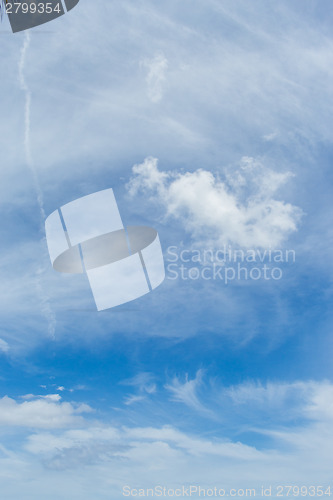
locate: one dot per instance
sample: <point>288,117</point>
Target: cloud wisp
<point>44,299</point>
<point>187,392</point>
<point>144,385</point>
<point>156,76</point>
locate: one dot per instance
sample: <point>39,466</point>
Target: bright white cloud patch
<point>45,413</point>
<point>242,209</point>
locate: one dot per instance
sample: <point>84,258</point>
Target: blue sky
<point>212,122</point>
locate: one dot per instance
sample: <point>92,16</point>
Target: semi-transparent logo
<point>27,14</point>
<point>87,236</point>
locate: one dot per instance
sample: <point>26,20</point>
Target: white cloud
<point>166,455</point>
<point>47,442</point>
<point>270,137</point>
<point>268,69</point>
<point>310,399</point>
<point>265,404</point>
<point>145,385</point>
<point>133,398</point>
<point>224,92</point>
<point>144,381</point>
<point>156,69</point>
<point>221,84</point>
<point>138,448</point>
<point>4,346</point>
<point>268,395</point>
<point>48,397</point>
<point>115,455</point>
<point>320,402</point>
<point>44,413</point>
<point>187,392</point>
<point>242,209</point>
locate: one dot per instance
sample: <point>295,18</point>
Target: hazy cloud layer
<point>170,456</point>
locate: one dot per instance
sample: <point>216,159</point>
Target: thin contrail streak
<point>44,300</point>
<point>27,122</point>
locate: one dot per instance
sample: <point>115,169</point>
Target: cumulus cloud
<point>242,209</point>
<point>156,69</point>
<point>43,413</point>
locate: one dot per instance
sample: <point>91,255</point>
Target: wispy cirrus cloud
<point>143,383</point>
<point>156,76</point>
<point>308,399</point>
<point>4,347</point>
<point>236,73</point>
<point>187,392</point>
